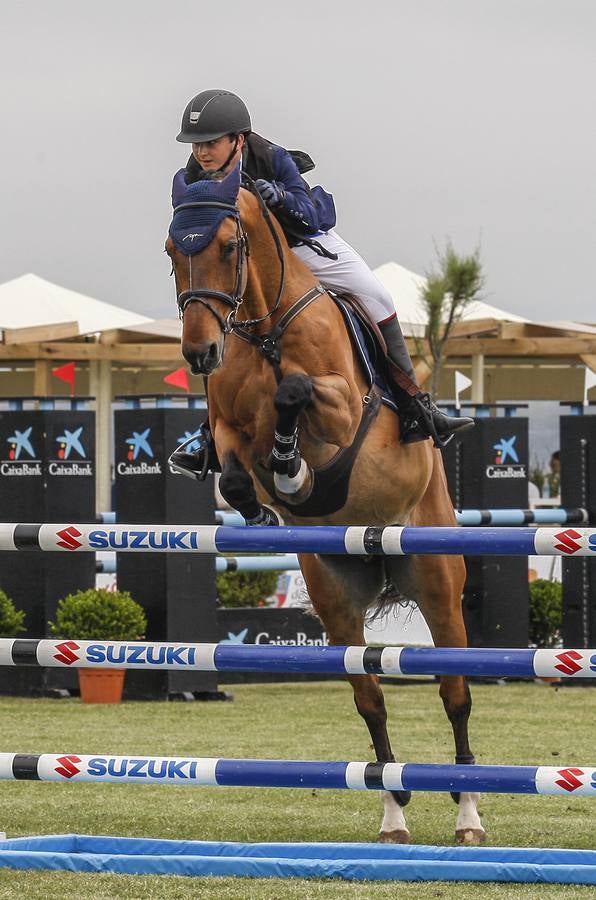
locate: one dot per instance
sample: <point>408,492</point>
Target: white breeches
<point>348,273</point>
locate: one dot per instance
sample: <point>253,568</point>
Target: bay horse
<point>288,398</point>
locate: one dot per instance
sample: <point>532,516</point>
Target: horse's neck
<point>265,273</point>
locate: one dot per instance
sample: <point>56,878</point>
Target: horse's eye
<point>229,248</point>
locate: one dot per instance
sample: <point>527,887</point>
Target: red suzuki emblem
<point>568,541</point>
<point>68,767</point>
<point>69,538</point>
<point>67,653</point>
<point>569,780</point>
<point>568,664</point>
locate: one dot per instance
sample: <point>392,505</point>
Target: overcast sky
<point>472,119</point>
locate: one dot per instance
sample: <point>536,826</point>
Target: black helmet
<point>211,114</point>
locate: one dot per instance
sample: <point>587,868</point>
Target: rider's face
<point>212,155</point>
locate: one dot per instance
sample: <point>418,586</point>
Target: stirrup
<point>196,463</point>
<point>420,425</point>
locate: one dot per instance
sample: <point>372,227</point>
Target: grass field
<point>516,724</point>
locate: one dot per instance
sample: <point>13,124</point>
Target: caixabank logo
<point>19,455</point>
<point>139,455</point>
<point>71,456</point>
<point>506,462</point>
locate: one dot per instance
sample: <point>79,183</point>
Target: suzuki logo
<point>69,538</point>
<point>67,767</point>
<point>67,654</point>
<point>568,541</point>
<point>568,665</point>
<point>569,781</point>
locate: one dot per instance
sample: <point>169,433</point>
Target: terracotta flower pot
<point>101,685</point>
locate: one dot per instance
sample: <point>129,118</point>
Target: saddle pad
<point>369,352</point>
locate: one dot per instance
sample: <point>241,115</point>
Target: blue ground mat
<point>352,862</point>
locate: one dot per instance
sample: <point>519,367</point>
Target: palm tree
<point>448,291</point>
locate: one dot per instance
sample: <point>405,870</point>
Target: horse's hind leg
<point>340,591</point>
<point>294,394</point>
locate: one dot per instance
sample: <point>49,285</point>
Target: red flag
<point>179,378</point>
<point>66,373</point>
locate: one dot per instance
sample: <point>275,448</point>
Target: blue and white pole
<point>330,660</point>
<point>360,776</point>
<point>348,539</point>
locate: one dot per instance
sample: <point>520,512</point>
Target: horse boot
<point>419,417</point>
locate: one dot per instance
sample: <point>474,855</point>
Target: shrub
<point>245,588</point>
<point>546,605</point>
<point>93,615</point>
<point>11,619</point>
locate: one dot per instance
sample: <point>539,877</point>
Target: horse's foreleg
<point>293,395</point>
<point>237,488</point>
<point>340,591</point>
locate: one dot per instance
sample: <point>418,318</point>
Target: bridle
<point>267,344</point>
<point>202,295</point>
<point>234,300</point>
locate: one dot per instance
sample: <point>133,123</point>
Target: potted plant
<point>11,619</point>
<point>99,615</point>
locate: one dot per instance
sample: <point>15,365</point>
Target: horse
<point>287,399</point>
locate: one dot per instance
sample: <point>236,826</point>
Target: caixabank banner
<point>178,594</point>
<point>487,468</point>
<point>291,627</point>
<point>47,474</point>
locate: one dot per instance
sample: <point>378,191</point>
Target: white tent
<point>406,289</point>
<point>31,301</point>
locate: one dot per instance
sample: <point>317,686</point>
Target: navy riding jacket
<point>305,210</point>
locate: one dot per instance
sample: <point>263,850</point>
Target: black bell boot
<point>419,417</point>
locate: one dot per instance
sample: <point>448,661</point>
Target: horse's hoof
<point>397,836</point>
<point>470,837</point>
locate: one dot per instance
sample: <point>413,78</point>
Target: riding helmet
<point>211,114</point>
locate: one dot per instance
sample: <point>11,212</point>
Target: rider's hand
<point>271,191</point>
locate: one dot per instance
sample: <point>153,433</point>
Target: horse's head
<point>207,246</point>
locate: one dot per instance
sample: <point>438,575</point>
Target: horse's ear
<point>178,188</point>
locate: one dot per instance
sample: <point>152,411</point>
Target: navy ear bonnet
<point>192,229</point>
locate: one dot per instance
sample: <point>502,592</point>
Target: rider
<point>217,124</point>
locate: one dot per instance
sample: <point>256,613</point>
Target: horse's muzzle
<point>203,362</point>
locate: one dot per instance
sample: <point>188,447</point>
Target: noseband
<point>201,295</point>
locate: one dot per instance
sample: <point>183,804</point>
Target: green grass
<point>516,724</point>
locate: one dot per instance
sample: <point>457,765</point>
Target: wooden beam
<point>35,333</point>
<point>42,379</point>
<point>526,346</point>
<point>475,326</point>
<point>150,354</point>
<point>138,353</point>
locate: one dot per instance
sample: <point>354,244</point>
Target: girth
<point>331,482</point>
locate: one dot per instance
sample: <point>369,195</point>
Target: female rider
<point>217,124</point>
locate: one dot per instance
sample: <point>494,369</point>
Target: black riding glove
<point>272,192</point>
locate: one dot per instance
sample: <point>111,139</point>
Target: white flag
<point>589,383</point>
<point>462,383</point>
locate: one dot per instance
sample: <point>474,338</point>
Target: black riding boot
<point>420,418</point>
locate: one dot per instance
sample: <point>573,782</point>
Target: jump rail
<point>359,776</point>
<point>279,658</point>
<point>554,515</point>
<point>347,539</point>
<point>284,563</point>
